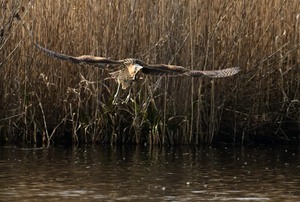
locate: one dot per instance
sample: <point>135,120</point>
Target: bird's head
<point>133,70</point>
<point>133,67</point>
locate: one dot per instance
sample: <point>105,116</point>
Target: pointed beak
<point>133,70</point>
<point>137,68</point>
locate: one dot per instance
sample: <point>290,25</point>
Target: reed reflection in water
<point>107,173</point>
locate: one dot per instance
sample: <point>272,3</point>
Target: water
<point>109,173</point>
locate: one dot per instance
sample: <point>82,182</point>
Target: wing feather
<point>162,69</point>
<point>84,59</point>
<point>215,73</point>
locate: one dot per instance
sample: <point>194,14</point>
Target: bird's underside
<point>125,71</point>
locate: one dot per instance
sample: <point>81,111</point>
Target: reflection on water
<point>107,173</point>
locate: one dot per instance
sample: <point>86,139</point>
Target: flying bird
<point>125,71</point>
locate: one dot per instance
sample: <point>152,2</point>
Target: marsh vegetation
<point>45,100</point>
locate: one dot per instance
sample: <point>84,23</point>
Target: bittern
<point>125,71</point>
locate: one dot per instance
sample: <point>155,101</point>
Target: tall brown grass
<point>44,100</point>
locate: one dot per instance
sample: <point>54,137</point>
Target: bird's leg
<point>114,102</point>
<point>128,97</point>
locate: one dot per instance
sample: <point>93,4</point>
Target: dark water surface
<point>109,173</point>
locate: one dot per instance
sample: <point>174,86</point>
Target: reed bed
<point>49,101</point>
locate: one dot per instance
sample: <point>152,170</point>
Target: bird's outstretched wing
<point>84,59</point>
<point>215,73</point>
<point>163,69</point>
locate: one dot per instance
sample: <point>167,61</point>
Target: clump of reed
<point>46,100</point>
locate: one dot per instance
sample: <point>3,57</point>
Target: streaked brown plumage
<point>125,71</point>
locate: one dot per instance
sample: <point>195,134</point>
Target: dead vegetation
<point>46,100</point>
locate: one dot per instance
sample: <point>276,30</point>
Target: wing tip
<point>38,46</point>
<point>237,68</point>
